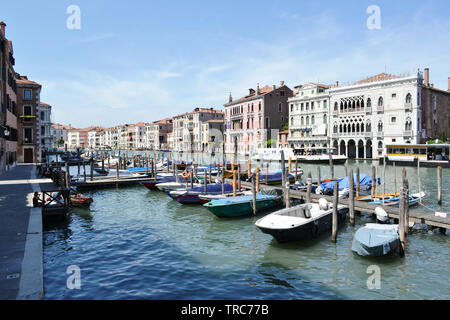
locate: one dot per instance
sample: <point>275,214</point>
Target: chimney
<point>337,83</point>
<point>448,84</point>
<point>257,90</point>
<point>230,98</point>
<point>2,26</point>
<point>281,83</point>
<point>427,77</point>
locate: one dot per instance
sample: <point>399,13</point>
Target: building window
<point>280,107</point>
<point>312,120</point>
<point>380,102</point>
<point>408,98</point>
<point>324,104</point>
<point>27,94</point>
<point>394,95</point>
<point>27,135</point>
<point>393,119</point>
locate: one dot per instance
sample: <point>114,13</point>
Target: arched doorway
<point>342,148</point>
<point>369,149</point>
<point>351,147</point>
<point>360,149</point>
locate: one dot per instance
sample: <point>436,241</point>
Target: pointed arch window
<point>408,98</point>
<point>380,102</point>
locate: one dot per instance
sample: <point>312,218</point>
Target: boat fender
<point>186,174</point>
<point>381,214</point>
<point>323,204</point>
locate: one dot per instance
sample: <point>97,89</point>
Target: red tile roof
<point>379,77</point>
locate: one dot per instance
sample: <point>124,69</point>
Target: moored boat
<point>305,221</point>
<point>395,201</point>
<point>191,196</point>
<point>376,240</point>
<point>242,205</point>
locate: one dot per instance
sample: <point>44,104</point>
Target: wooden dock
<point>110,182</point>
<point>362,206</point>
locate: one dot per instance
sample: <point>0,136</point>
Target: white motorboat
<point>305,221</point>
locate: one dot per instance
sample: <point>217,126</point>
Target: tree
<point>286,126</point>
<point>444,136</point>
<point>270,143</point>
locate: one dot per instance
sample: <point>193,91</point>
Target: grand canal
<point>139,244</point>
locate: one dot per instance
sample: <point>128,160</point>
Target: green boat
<point>242,205</point>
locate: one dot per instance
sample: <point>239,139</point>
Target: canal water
<point>134,243</point>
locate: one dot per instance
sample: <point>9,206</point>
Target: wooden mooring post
<point>308,188</point>
<point>374,182</point>
<point>334,222</point>
<point>283,177</point>
<point>254,194</point>
<point>351,198</point>
<point>234,182</point>
<point>319,177</point>
<point>357,181</point>
<point>257,180</point>
<point>418,182</point>
<point>331,165</point>
<point>286,193</point>
<point>92,169</point>
<point>439,184</point>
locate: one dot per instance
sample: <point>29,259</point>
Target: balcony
<point>408,106</point>
<point>335,135</point>
<point>380,108</point>
<point>407,133</point>
<point>380,135</point>
<point>368,135</point>
<point>26,119</point>
<point>335,113</point>
<point>368,110</point>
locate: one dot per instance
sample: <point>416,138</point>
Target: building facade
<point>212,135</point>
<point>308,117</point>
<point>249,120</point>
<point>187,128</point>
<point>9,133</point>
<point>157,134</point>
<point>28,126</point>
<point>45,125</point>
<point>367,115</point>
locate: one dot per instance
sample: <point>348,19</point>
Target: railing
<point>407,133</point>
<point>408,106</point>
<point>335,135</point>
<point>380,134</point>
<point>368,110</point>
<point>368,135</point>
<point>380,108</point>
<point>27,118</point>
<point>335,113</point>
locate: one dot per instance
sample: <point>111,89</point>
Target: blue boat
<point>395,202</point>
<point>376,240</point>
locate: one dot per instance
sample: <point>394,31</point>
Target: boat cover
<point>375,239</point>
<point>364,180</point>
<point>213,188</point>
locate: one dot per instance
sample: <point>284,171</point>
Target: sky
<point>133,61</point>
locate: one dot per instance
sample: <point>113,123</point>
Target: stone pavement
<point>21,256</point>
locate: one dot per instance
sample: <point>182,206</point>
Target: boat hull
<point>243,208</point>
<point>306,231</point>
